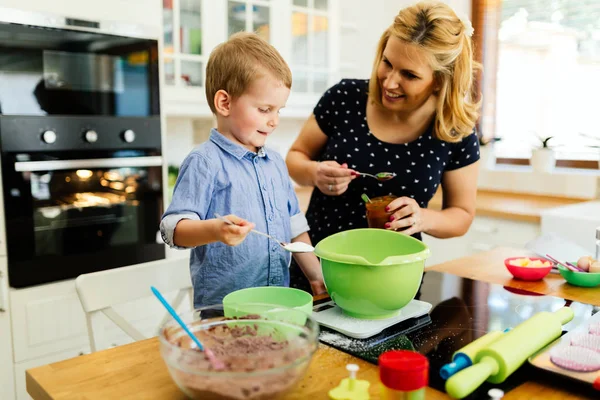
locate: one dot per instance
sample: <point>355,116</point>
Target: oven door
<point>65,217</point>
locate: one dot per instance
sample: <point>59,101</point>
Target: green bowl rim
<point>562,268</point>
<point>256,288</point>
<point>391,260</point>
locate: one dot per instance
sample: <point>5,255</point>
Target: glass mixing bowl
<point>266,350</point>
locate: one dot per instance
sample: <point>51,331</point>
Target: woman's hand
<point>233,235</point>
<point>332,178</point>
<point>408,217</point>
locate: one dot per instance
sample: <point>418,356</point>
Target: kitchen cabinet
<point>305,32</point>
<point>576,222</point>
<point>485,233</point>
<point>49,325</point>
<point>47,319</point>
<point>7,382</point>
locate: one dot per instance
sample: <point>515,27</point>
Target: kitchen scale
<point>331,316</point>
<point>367,339</point>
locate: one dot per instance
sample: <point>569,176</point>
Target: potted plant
<point>542,157</point>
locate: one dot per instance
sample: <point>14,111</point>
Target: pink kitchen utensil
<point>567,265</point>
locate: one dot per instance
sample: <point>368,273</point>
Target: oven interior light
<point>117,185</point>
<point>84,174</point>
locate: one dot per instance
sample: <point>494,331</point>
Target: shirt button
<point>271,217</point>
<point>255,160</point>
<point>274,248</point>
<point>264,187</point>
<point>273,281</point>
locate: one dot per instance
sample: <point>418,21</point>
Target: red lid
<point>403,370</point>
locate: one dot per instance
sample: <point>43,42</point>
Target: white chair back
<point>99,292</point>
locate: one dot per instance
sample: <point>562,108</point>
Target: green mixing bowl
<point>583,279</point>
<point>372,273</point>
<point>240,302</point>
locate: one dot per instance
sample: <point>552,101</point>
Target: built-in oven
<point>80,144</point>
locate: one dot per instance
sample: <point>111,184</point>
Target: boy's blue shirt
<point>222,177</point>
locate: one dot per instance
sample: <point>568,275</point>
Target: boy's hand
<point>317,287</point>
<point>233,235</point>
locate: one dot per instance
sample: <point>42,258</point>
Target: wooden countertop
<point>137,371</point>
<point>489,267</point>
<point>515,206</point>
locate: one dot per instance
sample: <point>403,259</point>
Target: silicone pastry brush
<point>503,356</point>
<point>216,363</point>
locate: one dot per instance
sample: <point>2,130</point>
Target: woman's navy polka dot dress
<point>419,165</point>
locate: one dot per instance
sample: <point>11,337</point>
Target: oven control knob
<point>90,136</point>
<point>128,136</point>
<point>49,137</point>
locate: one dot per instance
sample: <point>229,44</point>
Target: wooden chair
<point>99,292</point>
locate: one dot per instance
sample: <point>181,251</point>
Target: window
<point>541,77</point>
<point>183,59</point>
<point>310,42</point>
<point>249,16</point>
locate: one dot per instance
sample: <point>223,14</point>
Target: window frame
<point>486,18</point>
<point>249,27</point>
<point>177,57</point>
<point>309,68</point>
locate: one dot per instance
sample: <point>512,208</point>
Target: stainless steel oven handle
<point>32,166</point>
<point>3,294</point>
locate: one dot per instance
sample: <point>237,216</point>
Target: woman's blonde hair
<point>236,63</point>
<point>435,28</point>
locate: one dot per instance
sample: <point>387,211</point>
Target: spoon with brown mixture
<point>380,176</point>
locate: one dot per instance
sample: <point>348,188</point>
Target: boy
<point>247,83</point>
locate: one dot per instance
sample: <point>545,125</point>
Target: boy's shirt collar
<point>236,150</point>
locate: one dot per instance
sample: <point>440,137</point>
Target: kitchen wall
<point>109,10</point>
<point>362,25</point>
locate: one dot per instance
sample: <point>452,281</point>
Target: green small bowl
<point>372,273</point>
<point>583,279</point>
<point>239,303</point>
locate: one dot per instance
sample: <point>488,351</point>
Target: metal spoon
<point>296,247</point>
<point>380,176</point>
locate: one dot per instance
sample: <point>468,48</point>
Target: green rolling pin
<point>502,357</point>
<point>464,357</point>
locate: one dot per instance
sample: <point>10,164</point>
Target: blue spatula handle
<point>176,317</point>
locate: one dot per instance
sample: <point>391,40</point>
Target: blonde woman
<point>415,117</point>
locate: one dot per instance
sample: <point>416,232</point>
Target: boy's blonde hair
<point>435,28</point>
<point>236,63</point>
